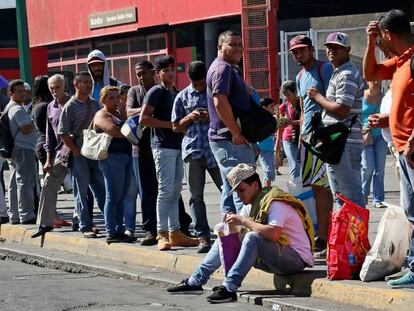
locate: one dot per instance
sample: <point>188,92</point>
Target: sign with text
<point>112,18</point>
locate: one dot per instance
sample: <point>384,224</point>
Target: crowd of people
<point>197,130</point>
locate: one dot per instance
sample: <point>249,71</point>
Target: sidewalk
<point>183,260</point>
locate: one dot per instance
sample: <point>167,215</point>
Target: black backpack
<point>256,123</point>
<point>6,137</point>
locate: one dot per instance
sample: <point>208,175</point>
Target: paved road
<point>26,287</point>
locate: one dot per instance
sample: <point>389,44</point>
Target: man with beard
<point>98,69</point>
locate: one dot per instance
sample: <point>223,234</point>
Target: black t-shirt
<point>135,99</point>
<point>162,101</point>
<point>39,114</point>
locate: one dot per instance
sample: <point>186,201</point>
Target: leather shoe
<point>41,231</point>
<point>30,221</point>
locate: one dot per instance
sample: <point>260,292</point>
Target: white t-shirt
<point>385,108</point>
<point>285,216</point>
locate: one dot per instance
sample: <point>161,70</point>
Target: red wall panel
<point>52,21</point>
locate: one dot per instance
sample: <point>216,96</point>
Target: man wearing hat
<point>279,238</point>
<point>98,70</point>
<point>314,73</point>
<point>343,100</point>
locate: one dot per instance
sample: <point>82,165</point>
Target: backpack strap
<point>412,66</point>
<point>320,65</point>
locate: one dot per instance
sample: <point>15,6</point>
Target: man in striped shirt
<point>343,100</point>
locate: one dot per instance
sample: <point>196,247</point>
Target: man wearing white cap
<point>279,238</point>
<point>342,102</point>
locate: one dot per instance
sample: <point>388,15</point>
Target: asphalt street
<point>31,288</point>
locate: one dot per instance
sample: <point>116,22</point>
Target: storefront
<point>127,31</point>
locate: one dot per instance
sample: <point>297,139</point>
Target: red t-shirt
<point>402,108</point>
<point>287,110</point>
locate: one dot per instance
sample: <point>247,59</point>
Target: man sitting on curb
<point>280,237</point>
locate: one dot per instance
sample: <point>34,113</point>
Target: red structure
<point>130,30</point>
<point>9,62</point>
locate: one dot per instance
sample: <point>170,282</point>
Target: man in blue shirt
<point>316,74</point>
<point>190,116</point>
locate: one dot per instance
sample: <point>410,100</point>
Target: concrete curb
<point>308,283</point>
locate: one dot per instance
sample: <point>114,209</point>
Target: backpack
<point>6,137</point>
<point>320,65</point>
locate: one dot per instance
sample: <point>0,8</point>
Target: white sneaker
<point>129,233</point>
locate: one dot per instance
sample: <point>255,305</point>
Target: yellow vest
<point>261,205</point>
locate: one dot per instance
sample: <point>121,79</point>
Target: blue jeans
<point>267,161</point>
<point>130,201</point>
<point>228,156</point>
<point>345,177</point>
<point>117,174</point>
<point>407,194</point>
<point>291,151</point>
<point>22,184</point>
<point>86,172</point>
<point>373,167</point>
<point>273,259</point>
<point>169,168</point>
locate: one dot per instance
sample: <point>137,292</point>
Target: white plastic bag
<point>306,195</point>
<point>390,247</point>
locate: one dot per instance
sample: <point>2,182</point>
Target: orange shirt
<point>402,108</point>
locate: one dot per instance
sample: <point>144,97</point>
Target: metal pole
<point>23,41</point>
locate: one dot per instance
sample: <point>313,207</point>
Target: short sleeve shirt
<point>135,99</point>
<point>162,101</point>
<point>346,87</point>
<point>19,117</point>
<point>317,77</point>
<point>285,216</point>
<point>223,78</point>
<point>73,121</point>
<point>195,142</point>
<point>402,107</point>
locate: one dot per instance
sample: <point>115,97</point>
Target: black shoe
<point>41,231</point>
<point>320,245</point>
<point>29,222</point>
<point>4,220</point>
<point>15,222</point>
<point>112,239</point>
<point>149,240</point>
<point>221,295</point>
<point>204,246</point>
<point>75,226</point>
<point>123,238</point>
<point>184,288</point>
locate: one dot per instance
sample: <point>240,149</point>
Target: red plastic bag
<point>348,241</point>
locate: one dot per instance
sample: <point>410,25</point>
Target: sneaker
<point>320,245</point>
<point>129,233</point>
<point>89,234</point>
<point>221,295</point>
<point>149,239</point>
<point>379,205</point>
<point>95,229</point>
<point>112,239</point>
<point>407,281</point>
<point>29,221</point>
<point>184,288</point>
<point>320,255</point>
<point>204,245</point>
<point>122,237</point>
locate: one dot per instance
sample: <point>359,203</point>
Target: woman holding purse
<point>375,147</point>
<point>117,168</point>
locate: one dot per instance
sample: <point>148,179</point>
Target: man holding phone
<point>190,116</point>
<point>393,32</point>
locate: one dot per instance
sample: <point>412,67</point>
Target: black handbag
<point>327,142</point>
<point>256,123</point>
